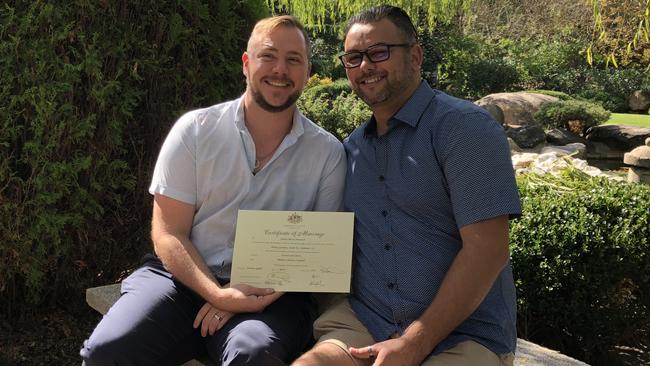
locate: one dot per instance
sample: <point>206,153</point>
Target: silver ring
<point>219,317</point>
<point>371,352</point>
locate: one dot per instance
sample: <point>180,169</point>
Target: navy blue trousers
<point>151,324</point>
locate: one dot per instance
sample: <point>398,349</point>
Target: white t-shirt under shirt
<point>207,161</point>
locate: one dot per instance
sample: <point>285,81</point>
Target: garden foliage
<point>333,106</point>
<point>574,115</point>
<point>89,89</point>
<point>580,254</point>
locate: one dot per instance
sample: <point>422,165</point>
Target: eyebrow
<point>372,45</point>
<point>275,49</point>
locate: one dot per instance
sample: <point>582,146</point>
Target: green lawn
<point>641,120</point>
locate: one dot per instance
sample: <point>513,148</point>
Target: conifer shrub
<point>89,91</point>
<point>581,261</point>
<point>574,115</point>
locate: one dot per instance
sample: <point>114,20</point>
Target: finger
<point>201,314</point>
<point>215,321</point>
<point>266,300</point>
<point>257,291</point>
<point>364,352</point>
<point>205,324</point>
<point>224,320</point>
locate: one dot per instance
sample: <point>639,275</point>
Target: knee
<point>252,348</point>
<point>103,348</point>
<point>101,354</point>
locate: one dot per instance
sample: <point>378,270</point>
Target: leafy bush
<point>558,94</point>
<point>581,259</point>
<point>574,115</point>
<point>553,65</point>
<point>491,76</point>
<point>89,90</point>
<point>612,87</point>
<point>325,50</point>
<point>334,107</point>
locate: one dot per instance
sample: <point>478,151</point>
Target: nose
<point>280,67</point>
<point>366,63</point>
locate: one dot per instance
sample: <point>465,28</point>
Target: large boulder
<point>527,137</point>
<point>563,137</point>
<point>518,108</point>
<point>619,137</point>
<point>639,100</point>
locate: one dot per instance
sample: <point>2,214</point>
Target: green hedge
<point>89,90</point>
<point>574,115</point>
<point>581,259</point>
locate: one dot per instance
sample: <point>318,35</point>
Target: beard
<point>265,105</point>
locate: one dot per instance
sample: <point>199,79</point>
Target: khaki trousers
<point>339,325</point>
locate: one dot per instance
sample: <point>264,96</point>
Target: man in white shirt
<point>256,152</point>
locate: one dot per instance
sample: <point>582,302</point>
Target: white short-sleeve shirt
<point>207,161</point>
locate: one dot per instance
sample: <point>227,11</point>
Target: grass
<point>641,120</point>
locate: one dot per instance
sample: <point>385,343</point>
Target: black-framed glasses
<point>376,53</point>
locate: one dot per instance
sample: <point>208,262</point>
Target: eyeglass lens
<point>376,53</point>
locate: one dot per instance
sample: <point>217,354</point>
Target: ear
<point>308,72</point>
<point>245,60</point>
<point>417,56</point>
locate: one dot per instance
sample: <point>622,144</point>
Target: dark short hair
<point>396,16</point>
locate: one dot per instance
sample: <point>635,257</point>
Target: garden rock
<point>513,145</point>
<point>563,137</point>
<point>495,111</point>
<point>639,100</point>
<point>551,162</point>
<point>527,137</point>
<point>575,149</point>
<point>518,108</point>
<point>619,137</point>
<point>639,159</point>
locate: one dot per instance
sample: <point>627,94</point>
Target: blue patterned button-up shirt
<point>444,163</point>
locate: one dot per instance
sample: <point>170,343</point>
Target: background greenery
<point>580,259</point>
<point>90,89</point>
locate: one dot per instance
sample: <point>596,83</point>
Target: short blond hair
<point>267,25</point>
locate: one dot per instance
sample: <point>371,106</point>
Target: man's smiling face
<point>276,68</point>
<point>380,83</point>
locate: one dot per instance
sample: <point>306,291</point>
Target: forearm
<point>182,260</point>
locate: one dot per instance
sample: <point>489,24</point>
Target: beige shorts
<point>339,325</point>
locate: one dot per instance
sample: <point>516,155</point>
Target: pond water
<point>608,164</point>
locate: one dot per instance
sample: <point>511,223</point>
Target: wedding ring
<point>371,352</point>
<point>218,317</point>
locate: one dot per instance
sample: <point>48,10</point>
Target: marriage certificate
<point>301,251</point>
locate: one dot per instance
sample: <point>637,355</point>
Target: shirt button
<point>391,285</point>
<point>384,213</point>
<point>381,178</point>
<point>387,246</point>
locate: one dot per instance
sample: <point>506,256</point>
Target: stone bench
<point>528,354</point>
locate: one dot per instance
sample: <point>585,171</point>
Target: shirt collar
<point>410,112</point>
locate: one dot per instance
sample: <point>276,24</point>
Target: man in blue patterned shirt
<point>431,184</point>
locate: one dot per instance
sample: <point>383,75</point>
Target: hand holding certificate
<point>294,250</point>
